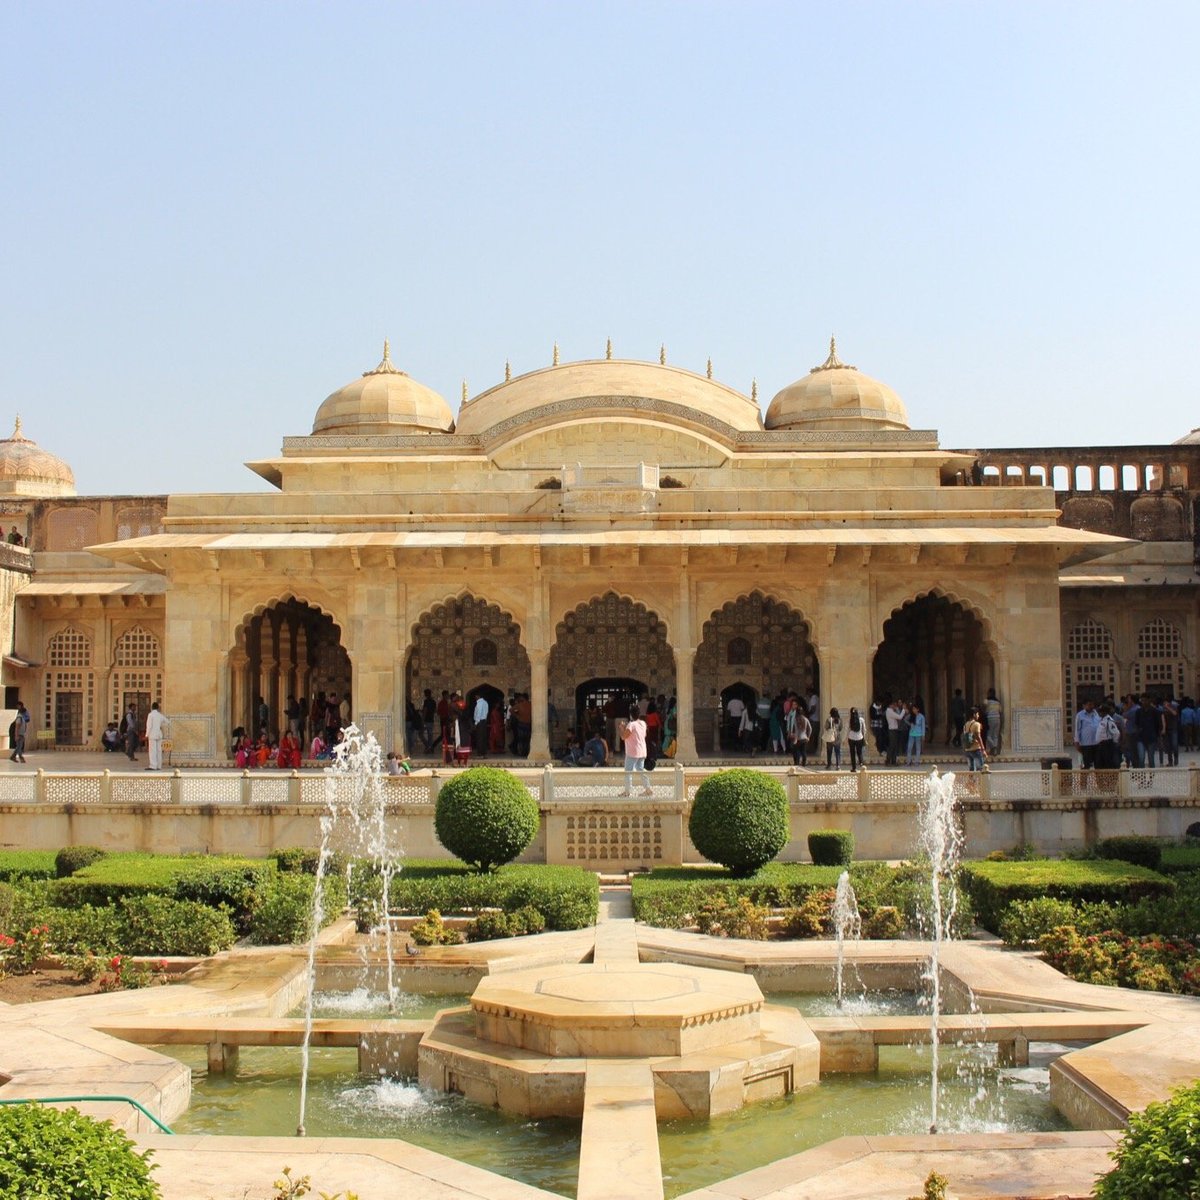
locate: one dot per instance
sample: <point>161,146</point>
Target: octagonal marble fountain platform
<point>710,1041</point>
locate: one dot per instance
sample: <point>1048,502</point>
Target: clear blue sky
<point>213,213</point>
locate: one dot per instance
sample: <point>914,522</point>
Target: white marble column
<point>685,712</point>
<point>539,678</point>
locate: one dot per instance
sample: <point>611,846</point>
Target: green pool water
<point>262,1099</point>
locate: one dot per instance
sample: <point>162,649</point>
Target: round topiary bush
<point>74,858</point>
<point>61,1154</point>
<point>1156,1157</point>
<point>486,817</point>
<point>739,819</point>
<point>831,847</point>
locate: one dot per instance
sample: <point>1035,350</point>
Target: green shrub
<point>909,891</point>
<point>831,847</point>
<point>1142,851</point>
<point>431,930</point>
<point>52,1154</point>
<point>74,858</point>
<point>494,923</point>
<point>527,920</point>
<point>1180,858</point>
<point>237,886</point>
<point>670,897</point>
<point>486,817</point>
<point>811,917</point>
<point>739,819</point>
<point>85,930</point>
<point>886,923</point>
<point>161,925</point>
<point>733,917</point>
<point>305,859</point>
<point>994,886</point>
<point>26,864</point>
<point>284,917</point>
<point>221,878</point>
<point>568,897</point>
<point>1024,921</point>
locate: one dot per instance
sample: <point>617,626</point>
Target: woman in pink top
<point>634,737</point>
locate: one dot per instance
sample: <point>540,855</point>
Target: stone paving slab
<point>619,1158</point>
<point>1033,1166</point>
<point>219,1168</point>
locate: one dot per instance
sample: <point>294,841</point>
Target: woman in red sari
<point>288,755</point>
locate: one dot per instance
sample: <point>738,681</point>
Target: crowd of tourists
<point>602,727</point>
<point>462,727</point>
<point>1135,731</point>
<point>793,724</point>
<point>308,729</point>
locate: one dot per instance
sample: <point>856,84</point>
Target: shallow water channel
<point>976,1096</point>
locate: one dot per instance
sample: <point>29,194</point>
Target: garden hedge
<point>739,819</point>
<point>568,897</point>
<point>993,886</point>
<point>831,847</point>
<point>211,879</point>
<point>1132,848</point>
<point>26,864</point>
<point>1180,859</point>
<point>74,858</point>
<point>670,897</point>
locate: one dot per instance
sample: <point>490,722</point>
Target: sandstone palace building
<point>597,526</point>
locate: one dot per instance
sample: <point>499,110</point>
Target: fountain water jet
<point>941,840</point>
<point>355,819</point>
<point>846,923</point>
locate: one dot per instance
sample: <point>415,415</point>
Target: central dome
<point>383,401</point>
<point>836,396</point>
<point>607,386</point>
<point>28,470</point>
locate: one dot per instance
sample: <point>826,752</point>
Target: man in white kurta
<point>157,727</point>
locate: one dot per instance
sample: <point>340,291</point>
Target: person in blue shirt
<point>916,735</point>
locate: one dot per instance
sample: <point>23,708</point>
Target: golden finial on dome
<point>833,363</point>
<point>507,370</point>
<point>754,390</point>
<point>386,366</point>
<point>708,369</point>
<point>608,350</point>
<point>16,433</point>
<point>555,363</point>
<point>662,354</point>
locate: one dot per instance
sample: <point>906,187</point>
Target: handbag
<point>650,763</point>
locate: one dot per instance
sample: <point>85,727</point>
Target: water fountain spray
<point>355,819</point>
<point>941,841</point>
<point>846,924</point>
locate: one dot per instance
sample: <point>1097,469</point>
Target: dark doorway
<point>730,738</point>
<point>493,741</point>
<point>600,702</point>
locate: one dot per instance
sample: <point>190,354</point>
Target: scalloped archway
<point>286,649</point>
<point>607,637</point>
<point>758,643</point>
<point>470,645</point>
<point>932,647</point>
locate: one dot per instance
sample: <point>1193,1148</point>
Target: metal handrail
<point>92,1099</point>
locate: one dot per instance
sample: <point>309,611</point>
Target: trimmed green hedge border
<point>669,897</point>
<point>568,897</point>
<point>993,886</point>
<point>26,864</point>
